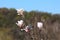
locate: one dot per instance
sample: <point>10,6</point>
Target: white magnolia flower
<point>27,28</point>
<point>20,11</point>
<point>39,25</point>
<point>20,23</point>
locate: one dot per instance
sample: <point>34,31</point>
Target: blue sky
<point>52,6</point>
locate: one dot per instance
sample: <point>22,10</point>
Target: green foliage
<point>8,18</point>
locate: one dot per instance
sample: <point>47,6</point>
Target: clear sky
<point>52,6</point>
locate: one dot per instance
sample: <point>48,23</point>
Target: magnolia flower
<point>20,23</point>
<point>27,28</point>
<point>39,25</point>
<point>20,11</point>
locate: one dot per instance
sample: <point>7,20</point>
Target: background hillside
<point>10,31</point>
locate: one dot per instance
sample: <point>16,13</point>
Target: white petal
<point>39,24</point>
